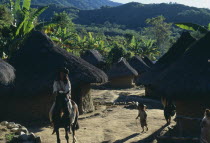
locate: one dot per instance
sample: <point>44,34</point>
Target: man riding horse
<point>64,112</point>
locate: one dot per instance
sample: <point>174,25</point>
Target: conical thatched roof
<point>139,65</point>
<point>173,54</point>
<point>37,61</point>
<point>7,73</point>
<point>93,57</point>
<point>188,77</point>
<point>121,69</point>
<point>176,51</point>
<point>147,61</point>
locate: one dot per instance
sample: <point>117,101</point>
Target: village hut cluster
<point>26,80</point>
<point>182,75</point>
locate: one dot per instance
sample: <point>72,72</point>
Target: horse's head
<point>61,105</point>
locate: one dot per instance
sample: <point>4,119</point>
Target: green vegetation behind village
<point>144,30</point>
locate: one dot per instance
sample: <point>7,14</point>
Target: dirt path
<point>114,124</point>
<point>117,126</point>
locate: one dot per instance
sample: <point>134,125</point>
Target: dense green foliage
<point>5,28</point>
<point>21,21</point>
<point>81,4</point>
<point>116,43</point>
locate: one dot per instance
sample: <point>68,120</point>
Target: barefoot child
<point>143,115</point>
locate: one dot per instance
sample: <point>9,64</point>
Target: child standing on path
<point>143,115</point>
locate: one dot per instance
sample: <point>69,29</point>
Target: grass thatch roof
<point>121,69</point>
<point>174,53</point>
<point>7,73</point>
<point>37,61</point>
<point>139,65</point>
<point>188,77</point>
<point>93,57</point>
<point>7,76</point>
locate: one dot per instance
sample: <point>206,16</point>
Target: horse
<point>65,117</point>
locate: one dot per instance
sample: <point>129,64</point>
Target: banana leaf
<point>30,24</point>
<point>26,4</point>
<point>20,26</point>
<point>192,27</point>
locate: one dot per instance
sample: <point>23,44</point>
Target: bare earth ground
<point>113,124</point>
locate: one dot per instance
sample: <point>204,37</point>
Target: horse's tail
<point>76,112</point>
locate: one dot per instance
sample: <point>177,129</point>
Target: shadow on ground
<point>149,139</point>
<point>151,103</point>
<point>127,138</point>
<point>152,137</point>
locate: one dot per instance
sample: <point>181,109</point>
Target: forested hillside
<point>81,4</point>
<point>133,15</point>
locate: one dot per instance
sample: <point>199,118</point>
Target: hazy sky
<point>196,3</point>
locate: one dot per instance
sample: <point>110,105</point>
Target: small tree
<point>117,52</point>
<point>160,31</point>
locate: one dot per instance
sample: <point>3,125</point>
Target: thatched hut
<point>187,81</point>
<point>121,74</point>
<point>95,58</point>
<point>36,64</point>
<point>174,53</point>
<point>139,65</point>
<point>7,76</point>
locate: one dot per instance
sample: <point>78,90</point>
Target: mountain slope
<point>81,4</point>
<point>133,15</point>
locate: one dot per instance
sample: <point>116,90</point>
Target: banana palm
<point>24,20</point>
<point>143,47</point>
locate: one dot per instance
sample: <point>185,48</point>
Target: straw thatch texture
<point>37,61</point>
<point>188,77</point>
<point>121,74</point>
<point>94,57</point>
<point>187,82</point>
<point>7,76</point>
<point>7,73</point>
<point>139,65</point>
<point>122,69</point>
<point>173,54</point>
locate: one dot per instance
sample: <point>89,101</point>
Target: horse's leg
<point>67,136</point>
<point>73,134</point>
<point>58,137</point>
<point>74,127</point>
